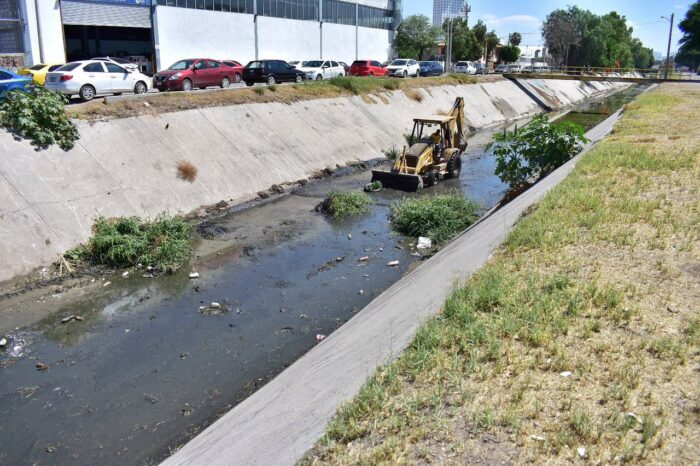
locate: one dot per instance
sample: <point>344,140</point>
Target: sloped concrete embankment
<point>49,199</point>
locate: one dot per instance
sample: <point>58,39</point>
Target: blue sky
<point>526,17</point>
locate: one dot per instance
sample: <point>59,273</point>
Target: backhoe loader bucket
<point>400,181</point>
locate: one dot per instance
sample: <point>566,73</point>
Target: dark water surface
<point>145,369</point>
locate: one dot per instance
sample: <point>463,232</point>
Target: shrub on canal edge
<point>164,243</point>
<point>38,115</point>
<point>439,217</point>
<point>345,204</point>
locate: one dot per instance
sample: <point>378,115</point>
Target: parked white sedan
<point>88,78</point>
<point>464,67</point>
<point>320,69</point>
<point>403,68</point>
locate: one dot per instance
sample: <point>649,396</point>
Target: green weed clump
<point>345,204</point>
<point>259,90</point>
<point>38,115</point>
<point>165,243</point>
<point>439,217</point>
<point>392,153</point>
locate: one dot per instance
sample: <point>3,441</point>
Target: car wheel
<point>341,75</point>
<point>186,85</point>
<point>87,93</point>
<point>140,88</point>
<point>248,83</point>
<point>225,82</point>
<point>319,77</point>
<point>405,74</point>
<point>237,78</point>
<point>271,80</point>
<point>371,74</point>
<point>298,79</point>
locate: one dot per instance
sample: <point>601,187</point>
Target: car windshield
<point>255,64</point>
<point>398,62</point>
<point>182,65</point>
<point>312,64</point>
<point>425,63</point>
<point>461,63</point>
<point>37,67</point>
<point>359,63</point>
<point>121,60</point>
<point>69,67</point>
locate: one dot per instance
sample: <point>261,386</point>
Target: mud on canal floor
<point>144,368</point>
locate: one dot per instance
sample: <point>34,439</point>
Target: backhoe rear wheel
<point>454,167</point>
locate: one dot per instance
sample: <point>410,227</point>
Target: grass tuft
<point>164,243</point>
<point>345,204</point>
<point>439,217</point>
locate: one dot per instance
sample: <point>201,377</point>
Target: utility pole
<point>668,50</point>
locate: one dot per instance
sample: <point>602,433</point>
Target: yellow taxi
<point>38,71</point>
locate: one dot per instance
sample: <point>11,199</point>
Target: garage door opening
<point>133,44</point>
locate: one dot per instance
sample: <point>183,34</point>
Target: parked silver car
<point>464,67</point>
<point>89,78</point>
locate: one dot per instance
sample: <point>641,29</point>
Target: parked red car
<point>367,68</point>
<point>237,68</point>
<point>185,75</point>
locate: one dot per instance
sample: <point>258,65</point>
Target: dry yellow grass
<point>580,338</point>
<point>172,102</point>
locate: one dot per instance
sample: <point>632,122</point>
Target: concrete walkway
<point>281,421</point>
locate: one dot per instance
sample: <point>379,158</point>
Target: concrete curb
<point>281,421</point>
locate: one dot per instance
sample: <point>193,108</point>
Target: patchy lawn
<point>580,338</point>
<point>176,101</point>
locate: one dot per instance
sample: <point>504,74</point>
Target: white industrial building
<point>161,32</point>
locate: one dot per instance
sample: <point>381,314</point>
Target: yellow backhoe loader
<point>437,142</point>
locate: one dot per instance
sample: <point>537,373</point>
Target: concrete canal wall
<point>49,199</point>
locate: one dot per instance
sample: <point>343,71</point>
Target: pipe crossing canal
<point>145,369</point>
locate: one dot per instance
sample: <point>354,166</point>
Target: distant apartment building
<point>443,9</point>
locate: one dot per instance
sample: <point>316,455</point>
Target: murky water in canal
<point>145,370</point>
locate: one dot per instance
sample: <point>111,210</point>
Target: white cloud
<point>493,21</point>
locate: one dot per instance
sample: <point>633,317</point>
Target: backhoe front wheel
<point>454,167</point>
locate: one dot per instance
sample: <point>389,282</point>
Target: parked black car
<point>271,72</point>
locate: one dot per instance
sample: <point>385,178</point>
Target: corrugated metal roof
<point>95,14</point>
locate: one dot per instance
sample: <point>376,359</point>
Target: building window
<point>290,9</point>
<point>10,27</point>
<point>335,11</point>
<point>378,18</point>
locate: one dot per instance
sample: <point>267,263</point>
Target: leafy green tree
<point>509,53</point>
<point>480,31</point>
<point>561,32</point>
<point>689,51</point>
<point>414,36</point>
<point>514,38</point>
<point>464,43</point>
<point>577,37</point>
<point>535,150</point>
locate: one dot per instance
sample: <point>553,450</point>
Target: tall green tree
<point>689,51</point>
<point>561,32</point>
<point>464,43</point>
<point>509,53</point>
<point>577,37</point>
<point>415,36</point>
<point>514,38</point>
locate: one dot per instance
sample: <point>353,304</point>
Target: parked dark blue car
<point>430,68</point>
<point>10,81</point>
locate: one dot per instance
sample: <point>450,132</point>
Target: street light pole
<point>668,50</point>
